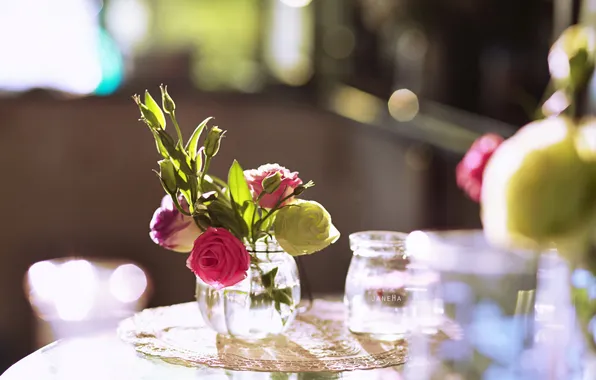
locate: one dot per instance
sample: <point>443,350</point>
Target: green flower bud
<point>304,227</point>
<point>271,183</point>
<point>146,114</point>
<point>300,188</point>
<point>166,100</point>
<point>213,141</point>
<point>571,58</point>
<point>155,110</point>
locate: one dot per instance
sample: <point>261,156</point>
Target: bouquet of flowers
<point>537,188</point>
<point>221,222</point>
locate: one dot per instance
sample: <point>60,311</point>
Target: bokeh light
<point>418,245</point>
<point>558,62</point>
<point>296,3</point>
<point>412,44</point>
<point>403,105</point>
<point>41,278</point>
<point>62,35</point>
<point>557,103</point>
<point>289,50</point>
<point>128,283</point>
<point>128,22</point>
<point>339,43</point>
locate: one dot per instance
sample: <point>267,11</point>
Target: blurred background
<point>374,100</point>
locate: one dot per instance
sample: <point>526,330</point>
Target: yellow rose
<point>304,227</point>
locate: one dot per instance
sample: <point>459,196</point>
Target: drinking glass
<point>488,293</point>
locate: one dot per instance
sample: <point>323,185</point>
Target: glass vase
<point>248,310</point>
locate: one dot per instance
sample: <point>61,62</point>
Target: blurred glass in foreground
<point>488,293</point>
<point>73,297</point>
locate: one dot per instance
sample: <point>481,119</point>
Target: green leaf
<point>207,197</point>
<point>240,192</point>
<point>167,174</point>
<point>154,108</point>
<point>193,142</point>
<point>197,163</point>
<point>204,221</point>
<point>168,143</point>
<point>268,279</point>
<point>174,152</point>
<point>237,184</point>
<point>224,216</point>
<point>210,185</point>
<point>161,149</point>
<point>267,224</point>
<point>283,295</point>
<point>168,190</point>
<point>220,182</point>
<point>194,188</point>
<point>185,160</point>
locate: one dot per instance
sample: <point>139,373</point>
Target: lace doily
<point>317,341</point>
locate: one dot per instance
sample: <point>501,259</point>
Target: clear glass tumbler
<point>488,293</point>
<point>376,293</point>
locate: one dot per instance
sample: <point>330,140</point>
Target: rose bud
<point>166,100</point>
<point>171,229</point>
<point>213,141</point>
<point>304,227</point>
<point>288,182</point>
<point>271,183</point>
<point>470,170</point>
<point>219,258</point>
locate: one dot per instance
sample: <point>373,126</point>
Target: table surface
<point>106,357</point>
<point>490,351</point>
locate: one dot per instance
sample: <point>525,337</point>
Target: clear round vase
<point>248,310</point>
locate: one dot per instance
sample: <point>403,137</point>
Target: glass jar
<point>248,310</point>
<point>376,285</point>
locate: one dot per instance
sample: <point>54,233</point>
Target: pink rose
<point>289,181</point>
<point>171,229</point>
<point>219,258</point>
<point>470,171</point>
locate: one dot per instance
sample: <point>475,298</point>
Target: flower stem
<point>175,122</point>
<point>182,211</point>
<point>205,169</point>
<point>252,222</point>
<point>274,209</point>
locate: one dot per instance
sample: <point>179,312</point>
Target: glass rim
<point>464,250</point>
<point>269,246</point>
<point>377,239</point>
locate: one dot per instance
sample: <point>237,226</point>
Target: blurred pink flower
<point>470,171</point>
